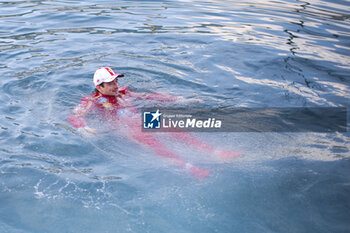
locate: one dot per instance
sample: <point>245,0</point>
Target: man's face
<point>110,88</point>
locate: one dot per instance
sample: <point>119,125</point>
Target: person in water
<point>115,104</point>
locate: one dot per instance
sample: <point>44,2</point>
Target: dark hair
<point>102,85</point>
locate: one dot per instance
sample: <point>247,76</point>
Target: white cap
<point>105,75</point>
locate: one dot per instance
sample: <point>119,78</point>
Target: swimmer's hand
<point>87,131</point>
<point>184,100</point>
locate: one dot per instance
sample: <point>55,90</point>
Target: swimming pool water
<point>226,53</point>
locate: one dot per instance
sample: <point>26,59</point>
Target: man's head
<point>106,81</point>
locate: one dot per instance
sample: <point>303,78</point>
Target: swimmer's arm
<point>161,97</point>
<point>76,118</point>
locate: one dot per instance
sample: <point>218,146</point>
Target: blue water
<point>226,53</point>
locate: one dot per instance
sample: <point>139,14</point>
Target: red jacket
<point>111,106</point>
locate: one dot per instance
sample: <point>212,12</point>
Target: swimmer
<point>115,105</point>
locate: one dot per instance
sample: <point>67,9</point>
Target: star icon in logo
<point>156,115</point>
